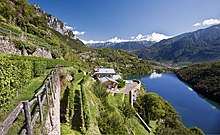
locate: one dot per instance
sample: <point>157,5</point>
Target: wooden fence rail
<point>47,91</point>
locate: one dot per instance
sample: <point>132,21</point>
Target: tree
<point>7,11</point>
<point>121,83</point>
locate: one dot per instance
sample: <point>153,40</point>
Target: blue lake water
<point>194,109</point>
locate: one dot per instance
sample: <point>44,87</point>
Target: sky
<point>128,20</point>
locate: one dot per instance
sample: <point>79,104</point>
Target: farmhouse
<point>107,76</point>
<point>109,83</point>
<point>103,72</point>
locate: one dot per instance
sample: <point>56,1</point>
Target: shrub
<point>16,71</point>
<point>11,27</point>
<point>13,74</point>
<point>39,68</point>
<point>2,19</point>
<point>35,31</point>
<point>121,83</point>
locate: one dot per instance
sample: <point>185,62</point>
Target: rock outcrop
<point>8,47</point>
<point>53,22</point>
<point>41,52</point>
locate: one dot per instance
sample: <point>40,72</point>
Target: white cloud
<point>69,27</point>
<point>211,22</point>
<point>208,22</point>
<point>155,37</point>
<point>197,24</point>
<point>78,33</point>
<point>91,41</point>
<point>117,40</point>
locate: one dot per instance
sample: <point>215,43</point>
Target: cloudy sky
<point>127,20</point>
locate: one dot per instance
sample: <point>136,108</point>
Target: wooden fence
<point>46,92</point>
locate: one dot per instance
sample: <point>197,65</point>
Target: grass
<point>67,127</point>
<point>91,100</point>
<point>94,104</point>
<point>137,128</point>
<point>135,125</point>
<point>70,69</point>
<point>153,125</point>
<point>25,93</point>
<point>66,130</point>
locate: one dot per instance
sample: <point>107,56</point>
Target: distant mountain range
<point>200,46</point>
<point>128,46</point>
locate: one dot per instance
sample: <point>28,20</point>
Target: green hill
<point>204,78</point>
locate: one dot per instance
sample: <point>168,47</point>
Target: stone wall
<point>41,52</point>
<point>8,47</point>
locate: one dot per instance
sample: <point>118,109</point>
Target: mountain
<point>199,46</point>
<point>128,46</point>
<point>53,22</point>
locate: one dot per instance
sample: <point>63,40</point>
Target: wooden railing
<point>46,92</point>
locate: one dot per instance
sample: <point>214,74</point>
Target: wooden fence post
<point>40,109</point>
<point>47,95</point>
<point>53,87</point>
<point>48,101</point>
<point>27,117</point>
<point>51,90</point>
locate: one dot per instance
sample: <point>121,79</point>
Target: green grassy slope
<point>100,113</point>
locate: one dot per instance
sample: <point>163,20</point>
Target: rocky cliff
<point>53,22</point>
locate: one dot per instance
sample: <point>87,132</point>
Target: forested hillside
<point>204,78</point>
<point>161,116</point>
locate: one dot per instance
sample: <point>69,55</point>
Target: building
<point>110,83</point>
<point>103,72</point>
<point>107,77</point>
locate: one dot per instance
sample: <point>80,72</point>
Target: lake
<point>194,109</point>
